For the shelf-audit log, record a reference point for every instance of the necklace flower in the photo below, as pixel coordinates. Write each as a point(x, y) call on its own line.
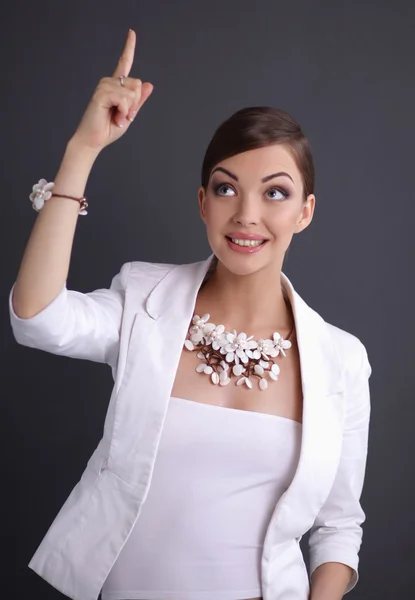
point(227, 353)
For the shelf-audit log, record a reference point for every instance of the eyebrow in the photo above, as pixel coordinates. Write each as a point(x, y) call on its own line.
point(263, 180)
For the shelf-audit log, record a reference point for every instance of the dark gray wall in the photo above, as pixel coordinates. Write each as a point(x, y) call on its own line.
point(345, 70)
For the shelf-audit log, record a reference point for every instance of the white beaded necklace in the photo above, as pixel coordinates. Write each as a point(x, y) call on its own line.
point(225, 353)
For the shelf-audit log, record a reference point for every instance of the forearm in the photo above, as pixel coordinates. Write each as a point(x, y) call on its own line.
point(329, 581)
point(45, 263)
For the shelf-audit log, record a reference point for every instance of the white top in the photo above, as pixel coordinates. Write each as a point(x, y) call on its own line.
point(217, 477)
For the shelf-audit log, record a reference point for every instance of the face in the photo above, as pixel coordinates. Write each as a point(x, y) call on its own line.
point(252, 207)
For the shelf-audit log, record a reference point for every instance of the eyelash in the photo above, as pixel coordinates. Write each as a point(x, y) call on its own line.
point(281, 190)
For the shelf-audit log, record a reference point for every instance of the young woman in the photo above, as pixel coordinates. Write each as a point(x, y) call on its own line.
point(239, 418)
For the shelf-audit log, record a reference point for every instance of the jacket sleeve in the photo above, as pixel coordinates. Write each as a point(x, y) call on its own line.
point(336, 534)
point(75, 324)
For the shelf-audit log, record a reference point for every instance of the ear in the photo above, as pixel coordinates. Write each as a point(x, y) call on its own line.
point(306, 214)
point(201, 196)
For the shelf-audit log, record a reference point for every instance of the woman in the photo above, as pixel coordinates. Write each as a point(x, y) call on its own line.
point(246, 412)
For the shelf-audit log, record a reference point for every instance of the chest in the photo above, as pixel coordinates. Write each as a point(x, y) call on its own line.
point(283, 397)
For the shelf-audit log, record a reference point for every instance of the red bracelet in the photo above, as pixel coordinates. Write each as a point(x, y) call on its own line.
point(82, 201)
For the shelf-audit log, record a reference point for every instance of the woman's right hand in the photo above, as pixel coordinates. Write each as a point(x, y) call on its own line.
point(113, 107)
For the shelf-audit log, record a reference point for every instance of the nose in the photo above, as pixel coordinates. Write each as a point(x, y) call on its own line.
point(247, 211)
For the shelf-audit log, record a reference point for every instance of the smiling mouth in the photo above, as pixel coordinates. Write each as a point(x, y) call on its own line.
point(249, 243)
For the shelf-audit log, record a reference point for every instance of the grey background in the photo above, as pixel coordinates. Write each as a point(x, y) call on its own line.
point(345, 70)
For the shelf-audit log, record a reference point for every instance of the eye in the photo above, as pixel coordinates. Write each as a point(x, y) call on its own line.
point(223, 186)
point(279, 194)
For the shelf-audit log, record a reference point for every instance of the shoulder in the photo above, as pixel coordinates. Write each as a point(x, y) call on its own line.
point(149, 270)
point(348, 349)
point(136, 273)
point(351, 353)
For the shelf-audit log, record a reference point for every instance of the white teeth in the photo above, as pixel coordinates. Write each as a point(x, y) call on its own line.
point(247, 242)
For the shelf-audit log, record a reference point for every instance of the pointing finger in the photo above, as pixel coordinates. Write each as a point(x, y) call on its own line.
point(127, 57)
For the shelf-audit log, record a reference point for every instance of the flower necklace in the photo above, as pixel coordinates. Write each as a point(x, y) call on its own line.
point(226, 353)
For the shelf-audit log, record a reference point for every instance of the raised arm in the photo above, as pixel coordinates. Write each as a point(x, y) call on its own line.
point(45, 264)
point(43, 313)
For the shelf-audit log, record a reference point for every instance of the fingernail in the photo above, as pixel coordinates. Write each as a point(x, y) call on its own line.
point(121, 123)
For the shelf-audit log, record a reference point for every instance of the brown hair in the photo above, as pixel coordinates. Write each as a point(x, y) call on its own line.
point(255, 127)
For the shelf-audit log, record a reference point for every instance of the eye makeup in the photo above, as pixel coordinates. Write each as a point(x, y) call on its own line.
point(218, 185)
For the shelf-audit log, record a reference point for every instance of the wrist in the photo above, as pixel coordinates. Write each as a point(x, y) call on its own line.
point(77, 150)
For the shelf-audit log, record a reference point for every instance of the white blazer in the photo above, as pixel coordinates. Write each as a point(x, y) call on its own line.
point(138, 327)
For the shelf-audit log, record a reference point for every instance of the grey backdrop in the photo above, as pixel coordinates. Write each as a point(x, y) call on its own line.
point(345, 70)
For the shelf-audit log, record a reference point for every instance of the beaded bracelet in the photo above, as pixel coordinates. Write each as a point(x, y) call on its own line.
point(41, 193)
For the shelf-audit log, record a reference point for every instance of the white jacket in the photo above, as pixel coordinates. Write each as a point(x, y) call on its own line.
point(138, 327)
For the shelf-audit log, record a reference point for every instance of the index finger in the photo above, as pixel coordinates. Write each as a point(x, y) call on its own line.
point(127, 57)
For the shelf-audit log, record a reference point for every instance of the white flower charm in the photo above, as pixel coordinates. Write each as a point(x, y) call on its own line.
point(196, 331)
point(41, 192)
point(280, 344)
point(226, 353)
point(213, 334)
point(265, 347)
point(239, 346)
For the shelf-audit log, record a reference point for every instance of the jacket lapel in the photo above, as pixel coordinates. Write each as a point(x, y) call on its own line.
point(154, 349)
point(323, 413)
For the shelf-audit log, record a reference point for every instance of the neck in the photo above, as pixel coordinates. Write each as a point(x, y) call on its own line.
point(247, 303)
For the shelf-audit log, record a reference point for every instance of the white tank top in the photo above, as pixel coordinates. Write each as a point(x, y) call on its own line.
point(217, 477)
